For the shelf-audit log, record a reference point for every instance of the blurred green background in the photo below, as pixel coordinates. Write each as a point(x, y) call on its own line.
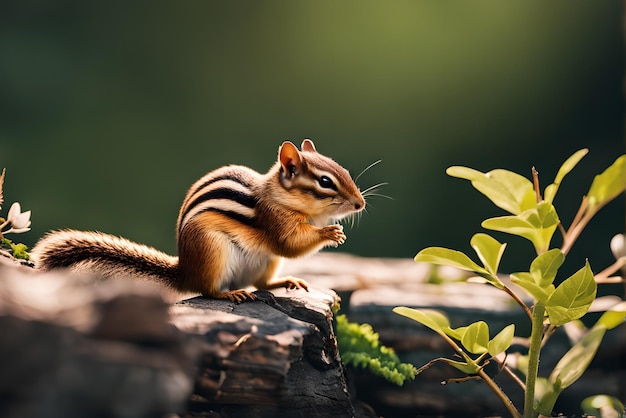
point(109, 111)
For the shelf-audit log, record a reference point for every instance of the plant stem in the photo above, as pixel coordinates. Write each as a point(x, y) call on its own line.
point(500, 394)
point(519, 302)
point(507, 370)
point(604, 274)
point(574, 232)
point(514, 377)
point(536, 335)
point(488, 380)
point(535, 174)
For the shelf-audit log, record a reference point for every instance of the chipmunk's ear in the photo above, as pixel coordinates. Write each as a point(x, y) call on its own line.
point(307, 145)
point(290, 159)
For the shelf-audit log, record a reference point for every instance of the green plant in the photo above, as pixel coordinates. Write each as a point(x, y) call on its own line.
point(16, 222)
point(603, 406)
point(359, 345)
point(533, 217)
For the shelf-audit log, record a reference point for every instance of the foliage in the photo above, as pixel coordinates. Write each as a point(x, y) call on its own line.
point(534, 218)
point(359, 345)
point(603, 406)
point(17, 250)
point(16, 222)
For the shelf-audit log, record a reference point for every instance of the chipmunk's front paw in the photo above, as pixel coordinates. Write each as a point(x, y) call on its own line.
point(335, 234)
point(292, 283)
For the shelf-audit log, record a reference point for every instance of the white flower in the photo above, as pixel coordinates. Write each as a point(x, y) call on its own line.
point(617, 246)
point(20, 221)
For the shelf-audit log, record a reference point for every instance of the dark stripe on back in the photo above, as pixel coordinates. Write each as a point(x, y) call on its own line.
point(230, 177)
point(232, 215)
point(223, 193)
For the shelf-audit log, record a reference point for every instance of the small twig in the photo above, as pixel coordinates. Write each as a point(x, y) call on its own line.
point(507, 370)
point(576, 228)
point(519, 301)
point(460, 379)
point(574, 233)
point(485, 377)
point(562, 229)
point(429, 364)
point(535, 174)
point(611, 280)
point(500, 394)
point(604, 274)
point(547, 333)
point(581, 211)
point(515, 377)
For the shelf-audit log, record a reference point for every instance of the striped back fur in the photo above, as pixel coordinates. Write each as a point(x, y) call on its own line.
point(227, 190)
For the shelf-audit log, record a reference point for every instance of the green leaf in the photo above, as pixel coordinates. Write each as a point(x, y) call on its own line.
point(572, 298)
point(545, 266)
point(506, 189)
point(567, 166)
point(527, 282)
point(543, 269)
point(434, 320)
point(570, 367)
point(514, 225)
point(502, 341)
point(613, 317)
point(537, 225)
point(607, 185)
point(456, 333)
point(446, 257)
point(465, 173)
point(476, 337)
point(466, 367)
point(489, 251)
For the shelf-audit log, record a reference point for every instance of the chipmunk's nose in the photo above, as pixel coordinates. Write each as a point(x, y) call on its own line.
point(359, 205)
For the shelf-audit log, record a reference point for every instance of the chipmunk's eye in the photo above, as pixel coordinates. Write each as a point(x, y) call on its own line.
point(327, 183)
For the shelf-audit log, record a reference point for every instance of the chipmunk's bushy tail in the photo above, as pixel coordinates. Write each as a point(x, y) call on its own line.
point(104, 255)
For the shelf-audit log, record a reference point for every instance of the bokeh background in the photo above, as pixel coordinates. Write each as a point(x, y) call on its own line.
point(109, 111)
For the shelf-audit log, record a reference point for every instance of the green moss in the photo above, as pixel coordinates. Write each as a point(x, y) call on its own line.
point(359, 346)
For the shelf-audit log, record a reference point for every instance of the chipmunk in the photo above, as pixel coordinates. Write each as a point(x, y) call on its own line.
point(234, 228)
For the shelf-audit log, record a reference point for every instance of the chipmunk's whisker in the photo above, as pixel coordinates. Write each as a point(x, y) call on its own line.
point(374, 187)
point(378, 195)
point(366, 168)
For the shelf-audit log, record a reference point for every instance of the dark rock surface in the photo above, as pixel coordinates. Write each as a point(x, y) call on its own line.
point(72, 349)
point(72, 346)
point(273, 357)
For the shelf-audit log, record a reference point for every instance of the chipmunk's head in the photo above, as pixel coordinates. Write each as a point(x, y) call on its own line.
point(316, 185)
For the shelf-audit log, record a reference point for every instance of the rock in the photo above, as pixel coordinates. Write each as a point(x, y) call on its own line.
point(276, 356)
point(74, 349)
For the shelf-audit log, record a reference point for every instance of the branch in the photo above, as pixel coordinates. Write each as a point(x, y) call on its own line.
point(536, 184)
point(533, 359)
point(519, 301)
point(607, 272)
